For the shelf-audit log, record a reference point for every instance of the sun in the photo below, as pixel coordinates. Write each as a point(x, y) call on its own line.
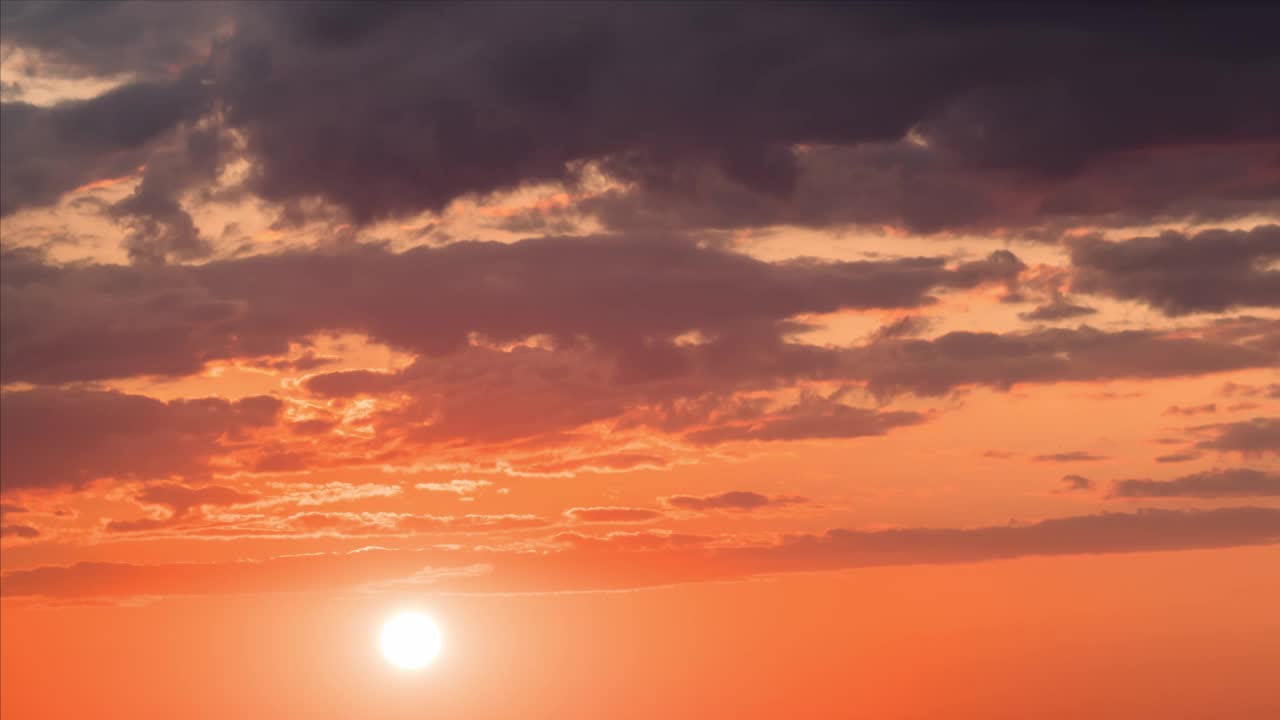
point(410, 640)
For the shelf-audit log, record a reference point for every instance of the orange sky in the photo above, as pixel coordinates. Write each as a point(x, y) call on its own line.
point(675, 386)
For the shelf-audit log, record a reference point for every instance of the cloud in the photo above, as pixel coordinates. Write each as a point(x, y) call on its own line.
point(19, 531)
point(1075, 483)
point(180, 500)
point(657, 93)
point(49, 151)
point(1177, 457)
point(68, 437)
point(813, 418)
point(1232, 389)
point(1211, 271)
point(457, 487)
point(1068, 457)
point(625, 541)
point(621, 293)
point(585, 565)
point(1234, 482)
point(1207, 408)
point(1058, 309)
point(103, 39)
point(246, 524)
point(705, 393)
point(612, 514)
point(970, 122)
point(732, 500)
point(1258, 436)
point(1003, 360)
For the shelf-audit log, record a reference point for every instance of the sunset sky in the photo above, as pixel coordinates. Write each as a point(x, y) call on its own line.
point(678, 361)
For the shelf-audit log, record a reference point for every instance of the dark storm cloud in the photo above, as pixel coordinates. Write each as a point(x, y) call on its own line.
point(1233, 482)
point(48, 151)
point(387, 109)
point(159, 227)
point(658, 88)
point(1211, 271)
point(929, 190)
point(109, 37)
point(68, 437)
point(655, 559)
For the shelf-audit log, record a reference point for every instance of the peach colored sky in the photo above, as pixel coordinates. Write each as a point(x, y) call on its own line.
point(670, 383)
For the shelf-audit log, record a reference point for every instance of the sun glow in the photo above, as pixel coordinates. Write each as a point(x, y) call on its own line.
point(410, 640)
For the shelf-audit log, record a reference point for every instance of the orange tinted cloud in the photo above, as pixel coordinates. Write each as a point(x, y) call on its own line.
point(589, 564)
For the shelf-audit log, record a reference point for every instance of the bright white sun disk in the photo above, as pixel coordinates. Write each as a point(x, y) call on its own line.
point(410, 640)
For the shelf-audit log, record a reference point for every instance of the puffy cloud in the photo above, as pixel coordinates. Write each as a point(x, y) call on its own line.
point(957, 127)
point(180, 500)
point(68, 437)
point(49, 151)
point(659, 92)
point(622, 293)
point(1211, 271)
point(129, 38)
point(1233, 482)
point(732, 500)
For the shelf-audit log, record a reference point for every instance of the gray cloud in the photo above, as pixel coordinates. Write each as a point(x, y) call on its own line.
point(741, 500)
point(100, 321)
point(1071, 456)
point(68, 437)
point(1233, 482)
point(1211, 271)
point(1251, 437)
point(50, 151)
point(1057, 115)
